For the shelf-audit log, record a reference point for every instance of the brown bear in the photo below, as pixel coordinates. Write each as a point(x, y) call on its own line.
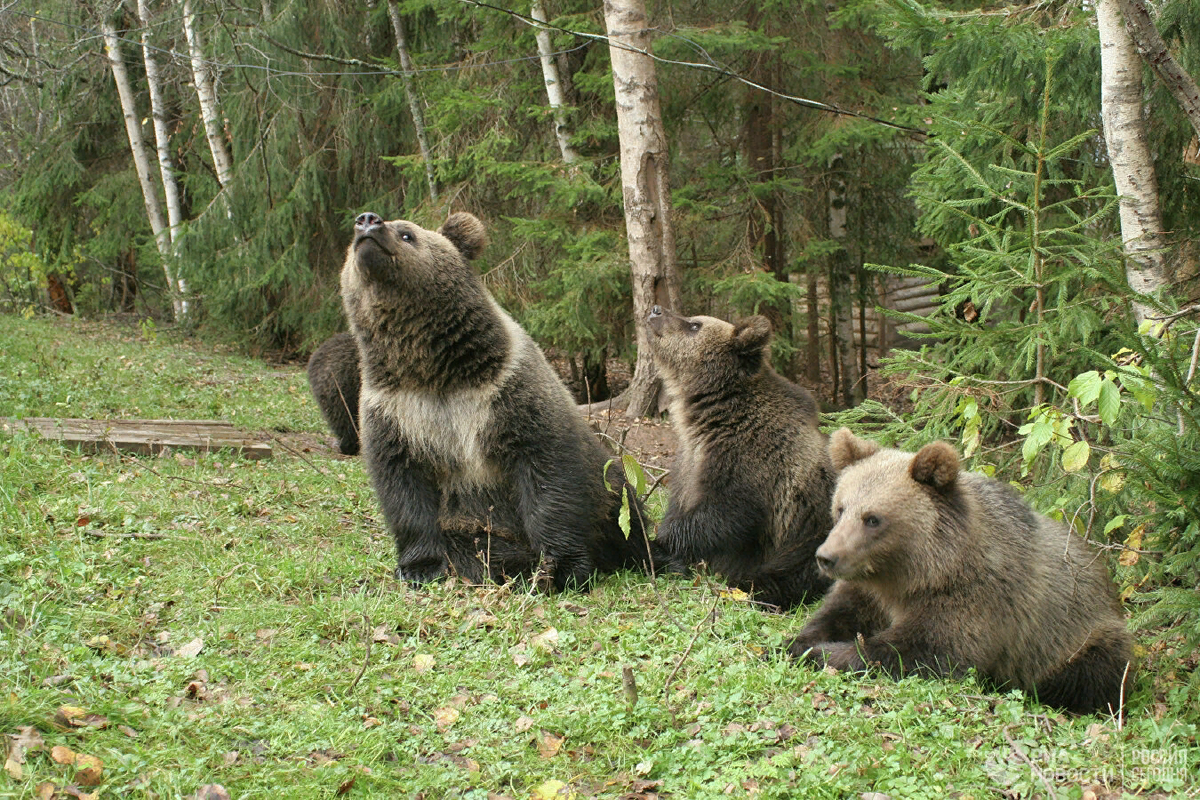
point(476, 451)
point(751, 483)
point(940, 571)
point(333, 377)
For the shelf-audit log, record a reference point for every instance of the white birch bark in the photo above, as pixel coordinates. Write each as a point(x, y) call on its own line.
point(1129, 156)
point(1154, 50)
point(646, 189)
point(554, 91)
point(162, 143)
point(840, 284)
point(206, 93)
point(410, 92)
point(137, 145)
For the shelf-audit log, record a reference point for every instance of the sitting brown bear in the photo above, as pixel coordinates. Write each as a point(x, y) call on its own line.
point(939, 571)
point(751, 484)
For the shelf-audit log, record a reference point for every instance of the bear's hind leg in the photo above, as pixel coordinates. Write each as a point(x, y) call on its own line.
point(1092, 681)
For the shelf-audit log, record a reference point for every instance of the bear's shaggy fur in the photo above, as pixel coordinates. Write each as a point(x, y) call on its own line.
point(476, 451)
point(939, 571)
point(751, 484)
point(333, 377)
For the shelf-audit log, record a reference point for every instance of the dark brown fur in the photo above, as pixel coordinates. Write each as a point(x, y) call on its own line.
point(751, 484)
point(477, 454)
point(942, 571)
point(333, 377)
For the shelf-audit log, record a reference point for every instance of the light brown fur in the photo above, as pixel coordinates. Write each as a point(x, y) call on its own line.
point(943, 571)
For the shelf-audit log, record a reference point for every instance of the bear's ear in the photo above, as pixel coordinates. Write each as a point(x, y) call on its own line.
point(935, 465)
point(466, 233)
point(751, 334)
point(845, 449)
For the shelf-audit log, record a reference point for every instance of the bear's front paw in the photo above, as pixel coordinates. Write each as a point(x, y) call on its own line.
point(839, 655)
point(419, 572)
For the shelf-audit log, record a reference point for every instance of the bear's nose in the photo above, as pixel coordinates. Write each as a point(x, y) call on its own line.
point(367, 220)
point(825, 563)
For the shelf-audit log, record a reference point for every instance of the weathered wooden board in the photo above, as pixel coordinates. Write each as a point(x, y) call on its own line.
point(148, 436)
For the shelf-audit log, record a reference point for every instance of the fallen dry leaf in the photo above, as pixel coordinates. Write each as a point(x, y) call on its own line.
point(12, 764)
point(549, 743)
point(128, 731)
point(523, 724)
point(551, 790)
point(61, 754)
point(345, 786)
point(44, 791)
point(545, 640)
point(89, 776)
point(212, 791)
point(29, 738)
point(423, 662)
point(191, 649)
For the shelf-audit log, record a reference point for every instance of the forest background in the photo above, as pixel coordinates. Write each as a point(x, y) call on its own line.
point(812, 148)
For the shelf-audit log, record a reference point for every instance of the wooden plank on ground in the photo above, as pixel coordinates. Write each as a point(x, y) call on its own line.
point(147, 436)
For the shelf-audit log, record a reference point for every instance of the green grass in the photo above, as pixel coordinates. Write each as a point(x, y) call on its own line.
point(318, 673)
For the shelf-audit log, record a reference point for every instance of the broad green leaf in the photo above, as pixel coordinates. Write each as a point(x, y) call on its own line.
point(1085, 387)
point(1075, 457)
point(1109, 402)
point(1114, 523)
point(623, 517)
point(635, 476)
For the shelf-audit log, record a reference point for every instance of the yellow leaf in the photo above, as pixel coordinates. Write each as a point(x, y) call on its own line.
point(734, 594)
point(552, 790)
point(1134, 542)
point(423, 662)
point(445, 717)
point(13, 767)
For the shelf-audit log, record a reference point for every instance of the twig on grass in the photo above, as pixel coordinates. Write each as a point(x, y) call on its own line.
point(102, 535)
point(1032, 767)
point(712, 614)
point(366, 658)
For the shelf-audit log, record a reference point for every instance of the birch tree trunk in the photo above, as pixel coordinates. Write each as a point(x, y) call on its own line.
point(554, 91)
point(1129, 155)
point(207, 95)
point(163, 146)
point(841, 283)
point(137, 145)
point(1154, 50)
point(645, 187)
point(414, 104)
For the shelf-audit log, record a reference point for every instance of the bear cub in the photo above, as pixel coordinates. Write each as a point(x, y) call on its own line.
point(333, 377)
point(752, 480)
point(477, 454)
point(939, 571)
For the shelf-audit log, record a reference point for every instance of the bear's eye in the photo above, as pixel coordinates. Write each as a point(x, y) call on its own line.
point(872, 521)
point(407, 237)
point(837, 513)
point(693, 326)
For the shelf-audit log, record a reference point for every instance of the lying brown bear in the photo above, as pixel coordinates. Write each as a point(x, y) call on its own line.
point(939, 571)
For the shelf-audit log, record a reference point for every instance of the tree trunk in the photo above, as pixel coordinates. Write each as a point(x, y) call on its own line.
point(162, 142)
point(841, 290)
point(554, 88)
point(646, 189)
point(137, 145)
point(1153, 49)
point(1129, 155)
point(207, 94)
point(410, 93)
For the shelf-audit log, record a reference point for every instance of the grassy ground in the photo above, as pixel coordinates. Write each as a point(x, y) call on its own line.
point(192, 620)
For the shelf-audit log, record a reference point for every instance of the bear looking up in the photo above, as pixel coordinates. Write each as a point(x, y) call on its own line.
point(334, 380)
point(751, 484)
point(941, 571)
point(476, 451)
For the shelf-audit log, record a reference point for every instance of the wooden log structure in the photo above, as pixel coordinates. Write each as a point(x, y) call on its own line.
point(146, 436)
